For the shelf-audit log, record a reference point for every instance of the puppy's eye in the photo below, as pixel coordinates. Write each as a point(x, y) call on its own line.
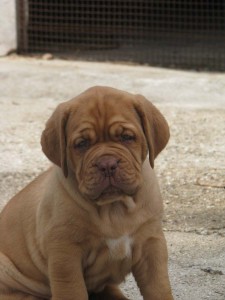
point(82, 144)
point(127, 138)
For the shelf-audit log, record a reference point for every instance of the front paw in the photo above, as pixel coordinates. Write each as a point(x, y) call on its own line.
point(101, 297)
point(110, 292)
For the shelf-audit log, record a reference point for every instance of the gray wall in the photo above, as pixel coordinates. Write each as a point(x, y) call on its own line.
point(7, 26)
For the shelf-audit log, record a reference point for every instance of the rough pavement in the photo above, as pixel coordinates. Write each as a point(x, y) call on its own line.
point(191, 170)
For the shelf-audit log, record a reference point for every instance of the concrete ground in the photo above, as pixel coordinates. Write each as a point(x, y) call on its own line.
point(191, 170)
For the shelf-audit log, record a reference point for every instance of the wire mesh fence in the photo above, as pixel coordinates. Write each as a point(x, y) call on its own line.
point(170, 33)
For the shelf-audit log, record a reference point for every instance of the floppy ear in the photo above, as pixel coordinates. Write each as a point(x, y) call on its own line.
point(154, 125)
point(53, 139)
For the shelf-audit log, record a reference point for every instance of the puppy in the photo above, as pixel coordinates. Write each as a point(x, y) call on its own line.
point(95, 216)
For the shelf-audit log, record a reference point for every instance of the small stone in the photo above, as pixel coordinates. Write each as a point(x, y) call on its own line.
point(47, 56)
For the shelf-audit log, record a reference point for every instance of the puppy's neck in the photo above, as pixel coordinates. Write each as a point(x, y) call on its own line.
point(114, 219)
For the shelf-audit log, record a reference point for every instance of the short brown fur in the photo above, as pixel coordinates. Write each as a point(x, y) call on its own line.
point(78, 229)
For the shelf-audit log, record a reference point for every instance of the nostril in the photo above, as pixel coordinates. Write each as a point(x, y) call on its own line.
point(103, 169)
point(113, 166)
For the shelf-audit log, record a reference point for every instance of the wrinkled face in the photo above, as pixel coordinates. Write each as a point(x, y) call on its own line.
point(106, 147)
point(103, 137)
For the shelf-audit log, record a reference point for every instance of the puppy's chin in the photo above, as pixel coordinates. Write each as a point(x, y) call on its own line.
point(126, 200)
point(109, 195)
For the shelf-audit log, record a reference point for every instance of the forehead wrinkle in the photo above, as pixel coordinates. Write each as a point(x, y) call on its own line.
point(83, 124)
point(99, 110)
point(122, 118)
point(91, 117)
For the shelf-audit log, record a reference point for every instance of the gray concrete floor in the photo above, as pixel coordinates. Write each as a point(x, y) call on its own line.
point(191, 170)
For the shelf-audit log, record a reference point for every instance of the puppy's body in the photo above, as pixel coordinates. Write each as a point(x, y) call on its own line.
point(92, 218)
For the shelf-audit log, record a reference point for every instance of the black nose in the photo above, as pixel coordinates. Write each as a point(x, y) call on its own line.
point(107, 165)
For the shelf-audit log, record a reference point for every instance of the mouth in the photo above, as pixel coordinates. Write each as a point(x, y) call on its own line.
point(111, 191)
point(109, 195)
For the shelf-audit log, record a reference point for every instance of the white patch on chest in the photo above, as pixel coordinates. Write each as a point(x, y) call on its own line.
point(120, 248)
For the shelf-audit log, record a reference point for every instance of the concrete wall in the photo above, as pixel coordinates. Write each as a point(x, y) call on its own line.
point(7, 26)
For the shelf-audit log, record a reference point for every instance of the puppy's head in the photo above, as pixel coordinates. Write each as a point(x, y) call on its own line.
point(103, 136)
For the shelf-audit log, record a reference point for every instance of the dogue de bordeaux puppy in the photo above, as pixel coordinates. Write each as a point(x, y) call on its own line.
point(77, 230)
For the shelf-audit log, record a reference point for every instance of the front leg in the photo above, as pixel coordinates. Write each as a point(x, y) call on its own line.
point(151, 271)
point(66, 276)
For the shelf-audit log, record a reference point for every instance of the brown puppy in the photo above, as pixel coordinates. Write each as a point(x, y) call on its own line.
point(95, 215)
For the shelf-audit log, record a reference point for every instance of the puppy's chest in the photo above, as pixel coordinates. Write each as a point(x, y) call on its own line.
point(110, 252)
point(120, 248)
point(109, 262)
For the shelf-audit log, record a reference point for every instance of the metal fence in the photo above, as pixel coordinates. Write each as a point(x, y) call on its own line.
point(170, 33)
